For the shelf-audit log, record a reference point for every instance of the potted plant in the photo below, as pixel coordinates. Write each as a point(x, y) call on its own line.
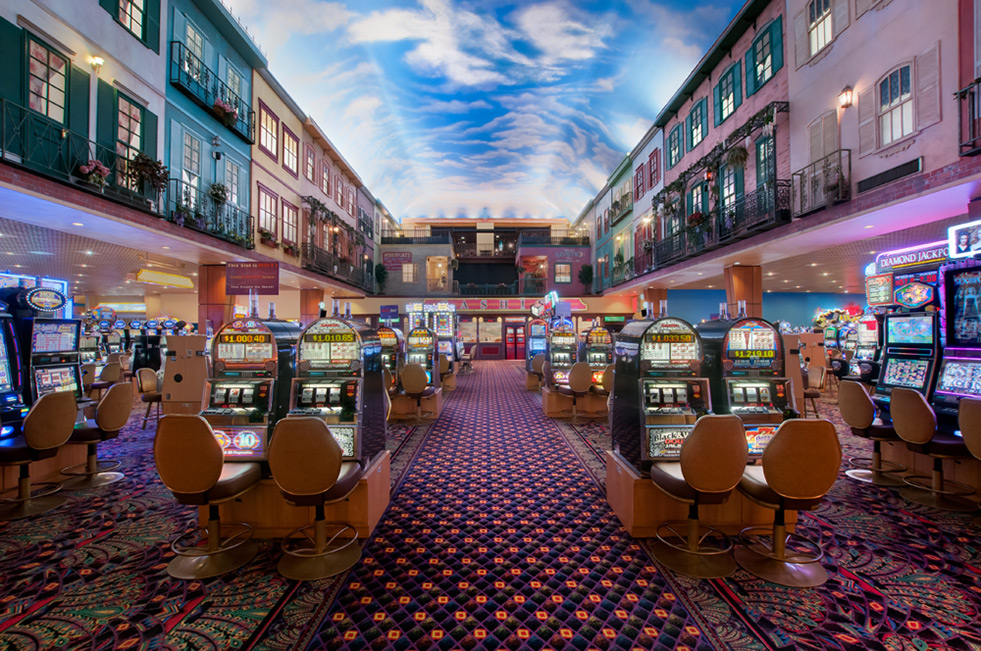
point(454, 264)
point(147, 174)
point(268, 238)
point(834, 182)
point(648, 246)
point(227, 113)
point(737, 157)
point(95, 173)
point(381, 277)
point(586, 277)
point(218, 193)
point(290, 248)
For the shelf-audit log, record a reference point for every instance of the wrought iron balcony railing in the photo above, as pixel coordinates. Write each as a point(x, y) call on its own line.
point(823, 183)
point(326, 263)
point(418, 236)
point(969, 114)
point(552, 238)
point(486, 289)
point(193, 208)
point(765, 207)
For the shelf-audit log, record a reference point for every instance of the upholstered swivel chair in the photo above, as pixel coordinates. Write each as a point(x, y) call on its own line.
point(713, 458)
point(147, 384)
point(445, 367)
point(814, 379)
point(416, 386)
point(858, 410)
point(88, 377)
point(191, 464)
point(969, 421)
point(110, 375)
point(605, 387)
point(800, 465)
point(537, 366)
point(307, 465)
point(546, 380)
point(580, 380)
point(46, 428)
point(916, 423)
point(111, 415)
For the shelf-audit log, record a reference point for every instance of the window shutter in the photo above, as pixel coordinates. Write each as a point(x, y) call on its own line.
point(12, 51)
point(153, 25)
point(717, 102)
point(105, 116)
point(927, 71)
point(705, 120)
point(78, 102)
point(222, 68)
point(840, 17)
point(751, 70)
point(176, 149)
point(861, 6)
point(150, 134)
point(830, 132)
point(688, 143)
point(739, 175)
point(801, 45)
point(737, 84)
point(110, 5)
point(180, 27)
point(866, 122)
point(815, 140)
point(209, 54)
point(776, 43)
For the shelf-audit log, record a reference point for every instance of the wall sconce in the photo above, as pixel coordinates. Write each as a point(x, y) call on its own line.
point(845, 97)
point(96, 63)
point(708, 175)
point(216, 141)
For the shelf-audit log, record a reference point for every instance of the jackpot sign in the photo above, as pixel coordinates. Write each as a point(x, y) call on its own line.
point(926, 255)
point(505, 304)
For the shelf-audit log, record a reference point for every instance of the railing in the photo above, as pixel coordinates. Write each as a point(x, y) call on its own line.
point(763, 208)
point(969, 114)
point(552, 238)
point(621, 207)
point(644, 261)
point(438, 285)
point(36, 142)
point(200, 83)
point(823, 183)
point(192, 208)
point(419, 236)
point(532, 286)
point(623, 272)
point(471, 250)
point(669, 249)
point(476, 289)
point(324, 262)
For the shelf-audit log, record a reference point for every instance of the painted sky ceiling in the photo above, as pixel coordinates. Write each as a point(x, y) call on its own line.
point(484, 107)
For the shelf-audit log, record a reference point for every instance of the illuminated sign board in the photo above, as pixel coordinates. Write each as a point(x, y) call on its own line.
point(878, 290)
point(45, 300)
point(925, 255)
point(964, 240)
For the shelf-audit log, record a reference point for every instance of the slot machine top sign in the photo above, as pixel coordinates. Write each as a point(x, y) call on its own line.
point(244, 344)
point(669, 343)
point(599, 336)
point(43, 299)
point(751, 344)
point(329, 343)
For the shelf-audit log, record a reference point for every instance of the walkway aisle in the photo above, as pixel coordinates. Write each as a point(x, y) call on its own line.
point(499, 539)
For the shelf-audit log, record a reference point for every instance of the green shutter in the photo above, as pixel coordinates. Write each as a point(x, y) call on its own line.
point(739, 175)
point(717, 101)
point(737, 85)
point(688, 142)
point(751, 70)
point(12, 51)
point(705, 120)
point(105, 116)
point(78, 102)
point(776, 43)
point(110, 5)
point(149, 134)
point(153, 25)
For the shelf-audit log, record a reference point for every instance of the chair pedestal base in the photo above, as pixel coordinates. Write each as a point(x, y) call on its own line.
point(706, 556)
point(771, 561)
point(189, 568)
point(937, 492)
point(31, 507)
point(717, 566)
point(874, 477)
point(311, 568)
point(875, 470)
point(92, 474)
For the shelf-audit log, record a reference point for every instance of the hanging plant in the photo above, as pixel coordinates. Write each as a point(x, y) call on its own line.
point(737, 156)
point(219, 193)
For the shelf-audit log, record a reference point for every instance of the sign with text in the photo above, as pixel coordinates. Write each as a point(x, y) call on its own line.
point(878, 290)
point(259, 277)
point(393, 260)
point(502, 304)
point(926, 255)
point(389, 313)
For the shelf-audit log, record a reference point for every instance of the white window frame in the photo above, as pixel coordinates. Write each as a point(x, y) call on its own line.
point(189, 175)
point(820, 30)
point(902, 108)
point(233, 176)
point(409, 272)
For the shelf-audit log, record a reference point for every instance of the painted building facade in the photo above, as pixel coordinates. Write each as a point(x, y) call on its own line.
point(648, 165)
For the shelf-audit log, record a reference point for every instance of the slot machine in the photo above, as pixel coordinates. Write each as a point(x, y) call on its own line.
point(909, 359)
point(416, 315)
point(745, 363)
point(392, 351)
point(443, 321)
point(536, 340)
point(339, 379)
point(88, 349)
point(831, 337)
point(960, 370)
point(12, 407)
point(146, 348)
point(115, 341)
point(249, 388)
point(659, 391)
point(134, 331)
point(420, 348)
point(596, 349)
point(865, 363)
point(847, 339)
point(563, 352)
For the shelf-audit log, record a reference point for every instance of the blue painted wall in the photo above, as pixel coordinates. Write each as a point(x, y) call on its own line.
point(693, 305)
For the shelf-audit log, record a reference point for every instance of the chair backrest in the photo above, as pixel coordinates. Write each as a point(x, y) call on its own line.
point(537, 363)
point(608, 378)
point(112, 372)
point(188, 456)
point(547, 373)
point(714, 455)
point(114, 358)
point(815, 376)
point(969, 421)
point(114, 409)
point(444, 364)
point(803, 458)
point(414, 378)
point(146, 380)
point(304, 457)
point(856, 406)
point(51, 420)
point(580, 377)
point(912, 416)
point(88, 375)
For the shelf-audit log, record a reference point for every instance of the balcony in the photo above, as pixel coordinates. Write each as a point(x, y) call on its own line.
point(623, 271)
point(189, 207)
point(552, 238)
point(318, 260)
point(620, 207)
point(418, 236)
point(477, 289)
point(823, 183)
point(437, 285)
point(969, 117)
point(201, 84)
point(759, 210)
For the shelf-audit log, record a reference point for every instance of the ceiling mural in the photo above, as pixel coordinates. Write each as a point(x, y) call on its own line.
point(483, 108)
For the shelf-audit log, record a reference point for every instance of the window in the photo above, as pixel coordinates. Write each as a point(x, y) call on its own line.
point(895, 107)
point(730, 187)
point(563, 272)
point(338, 191)
point(639, 179)
point(48, 82)
point(191, 160)
point(233, 176)
point(606, 220)
point(350, 200)
point(764, 160)
point(408, 273)
point(194, 41)
point(268, 131)
point(728, 93)
point(291, 221)
point(325, 178)
point(765, 57)
point(697, 123)
point(698, 198)
point(819, 32)
point(599, 227)
point(674, 147)
point(129, 136)
point(233, 79)
point(268, 217)
point(291, 152)
point(132, 14)
point(310, 163)
point(654, 167)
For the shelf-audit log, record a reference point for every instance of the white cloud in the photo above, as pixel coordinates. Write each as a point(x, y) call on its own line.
point(554, 30)
point(453, 106)
point(291, 18)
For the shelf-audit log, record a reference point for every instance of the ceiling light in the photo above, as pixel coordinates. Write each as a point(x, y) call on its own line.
point(825, 273)
point(18, 266)
point(814, 264)
point(89, 253)
point(163, 278)
point(77, 224)
point(871, 252)
point(771, 273)
point(699, 274)
point(10, 252)
point(164, 247)
point(869, 226)
point(797, 286)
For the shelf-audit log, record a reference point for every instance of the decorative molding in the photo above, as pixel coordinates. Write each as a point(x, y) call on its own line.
point(130, 93)
point(28, 25)
point(820, 56)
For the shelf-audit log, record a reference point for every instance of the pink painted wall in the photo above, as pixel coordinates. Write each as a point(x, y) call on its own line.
point(577, 256)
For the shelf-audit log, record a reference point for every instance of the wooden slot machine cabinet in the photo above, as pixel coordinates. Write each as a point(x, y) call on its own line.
point(185, 374)
point(745, 363)
point(563, 352)
point(596, 349)
point(12, 407)
point(249, 389)
point(910, 357)
point(339, 379)
point(536, 340)
point(392, 351)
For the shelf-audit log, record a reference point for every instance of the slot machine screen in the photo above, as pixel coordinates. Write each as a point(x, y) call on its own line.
point(445, 347)
point(960, 377)
point(54, 336)
point(48, 379)
point(599, 337)
point(538, 329)
point(444, 325)
point(419, 339)
point(963, 290)
point(245, 347)
point(564, 339)
point(909, 330)
point(669, 343)
point(910, 373)
point(328, 343)
point(388, 338)
point(6, 380)
point(868, 334)
point(752, 344)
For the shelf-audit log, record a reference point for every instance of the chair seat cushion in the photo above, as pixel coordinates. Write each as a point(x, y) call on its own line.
point(151, 396)
point(667, 476)
point(428, 391)
point(753, 484)
point(89, 432)
point(566, 391)
point(812, 393)
point(101, 384)
point(16, 450)
point(347, 481)
point(235, 478)
point(941, 445)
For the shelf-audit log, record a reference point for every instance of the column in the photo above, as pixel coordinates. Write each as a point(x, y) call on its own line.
point(213, 304)
point(310, 300)
point(744, 284)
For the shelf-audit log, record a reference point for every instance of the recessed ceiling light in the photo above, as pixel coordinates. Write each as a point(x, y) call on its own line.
point(735, 263)
point(771, 273)
point(164, 247)
point(797, 286)
point(90, 253)
point(825, 273)
point(869, 226)
point(709, 286)
point(814, 264)
point(38, 253)
point(10, 252)
point(871, 252)
point(786, 280)
point(18, 266)
point(77, 224)
point(699, 274)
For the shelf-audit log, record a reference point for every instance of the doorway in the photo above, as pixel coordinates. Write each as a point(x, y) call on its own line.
point(514, 341)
